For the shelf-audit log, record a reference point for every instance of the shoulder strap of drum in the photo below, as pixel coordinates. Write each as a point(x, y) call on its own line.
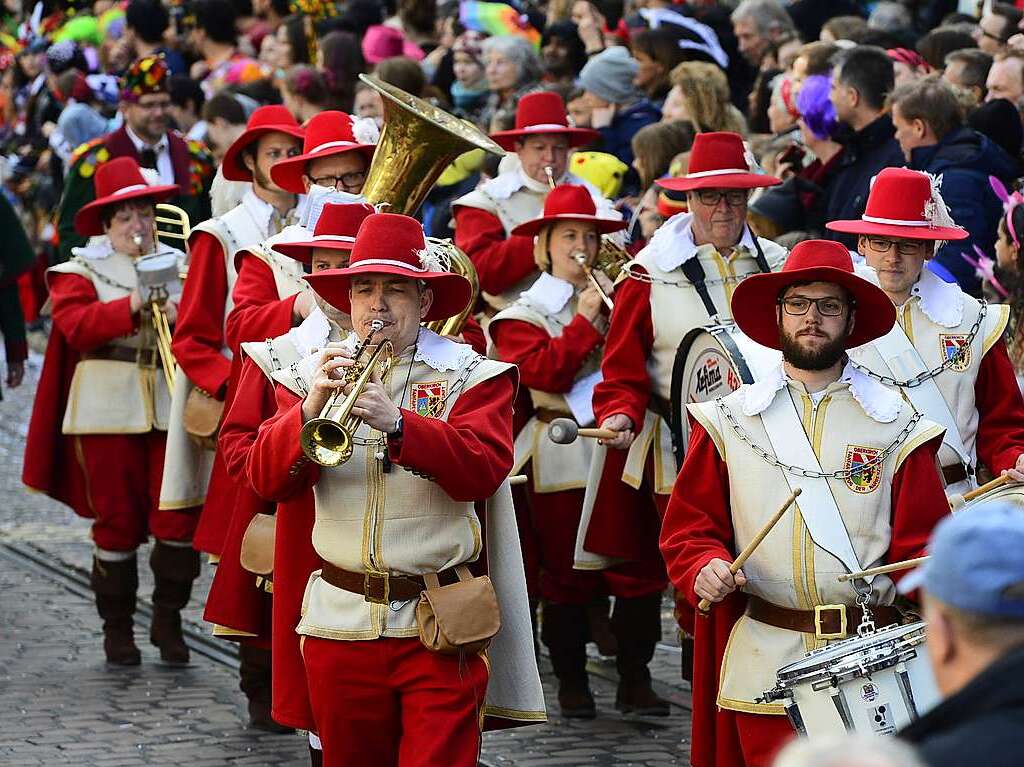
point(694, 272)
point(762, 262)
point(677, 404)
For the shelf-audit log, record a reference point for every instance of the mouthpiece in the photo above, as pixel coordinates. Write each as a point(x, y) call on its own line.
point(580, 258)
point(376, 326)
point(137, 239)
point(551, 175)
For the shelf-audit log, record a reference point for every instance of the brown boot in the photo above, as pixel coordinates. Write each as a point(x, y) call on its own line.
point(254, 680)
point(601, 628)
point(115, 584)
point(174, 570)
point(637, 625)
point(564, 632)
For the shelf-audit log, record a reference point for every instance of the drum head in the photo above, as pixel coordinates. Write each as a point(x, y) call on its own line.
point(1012, 493)
point(853, 652)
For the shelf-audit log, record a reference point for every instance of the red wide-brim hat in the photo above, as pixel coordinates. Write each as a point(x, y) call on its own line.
point(755, 302)
point(390, 243)
point(117, 181)
point(902, 204)
point(269, 119)
point(569, 202)
point(542, 114)
point(335, 230)
point(719, 160)
point(327, 134)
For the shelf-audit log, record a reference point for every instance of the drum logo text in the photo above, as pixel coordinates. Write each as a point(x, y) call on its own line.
point(710, 377)
point(955, 347)
point(862, 478)
point(428, 398)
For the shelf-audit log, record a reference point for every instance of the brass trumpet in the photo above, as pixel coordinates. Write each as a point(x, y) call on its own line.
point(328, 439)
point(171, 223)
point(609, 260)
point(154, 273)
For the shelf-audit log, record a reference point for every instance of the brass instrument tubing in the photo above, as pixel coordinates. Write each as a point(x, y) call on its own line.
point(581, 259)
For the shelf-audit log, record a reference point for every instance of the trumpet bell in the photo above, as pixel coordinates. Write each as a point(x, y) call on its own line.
point(326, 442)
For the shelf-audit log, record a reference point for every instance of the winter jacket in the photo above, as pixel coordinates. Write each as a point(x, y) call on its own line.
point(983, 724)
point(616, 138)
point(964, 160)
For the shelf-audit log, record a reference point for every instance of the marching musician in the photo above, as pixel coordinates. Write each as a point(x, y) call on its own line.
point(682, 280)
point(864, 461)
point(946, 351)
point(147, 138)
point(96, 438)
point(237, 602)
point(485, 218)
point(434, 436)
point(554, 333)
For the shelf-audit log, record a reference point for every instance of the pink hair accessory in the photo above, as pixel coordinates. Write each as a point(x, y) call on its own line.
point(984, 267)
point(1010, 201)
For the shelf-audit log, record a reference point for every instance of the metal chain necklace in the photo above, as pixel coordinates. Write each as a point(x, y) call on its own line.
point(648, 279)
point(799, 471)
point(920, 378)
point(101, 277)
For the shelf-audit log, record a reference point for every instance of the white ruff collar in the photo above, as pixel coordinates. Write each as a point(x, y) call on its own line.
point(510, 181)
point(312, 334)
point(879, 402)
point(441, 353)
point(942, 302)
point(550, 294)
point(96, 248)
point(672, 245)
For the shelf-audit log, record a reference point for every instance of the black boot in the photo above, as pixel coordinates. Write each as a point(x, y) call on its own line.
point(174, 569)
point(115, 585)
point(637, 625)
point(564, 631)
point(254, 680)
point(316, 757)
point(601, 628)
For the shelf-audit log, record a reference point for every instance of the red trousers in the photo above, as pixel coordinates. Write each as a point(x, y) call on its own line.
point(123, 474)
point(393, 703)
point(762, 736)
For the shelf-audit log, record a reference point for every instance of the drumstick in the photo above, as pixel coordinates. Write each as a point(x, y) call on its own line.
point(564, 431)
point(518, 479)
point(734, 568)
point(957, 501)
point(892, 567)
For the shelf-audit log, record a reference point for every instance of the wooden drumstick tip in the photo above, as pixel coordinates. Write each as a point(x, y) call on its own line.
point(518, 479)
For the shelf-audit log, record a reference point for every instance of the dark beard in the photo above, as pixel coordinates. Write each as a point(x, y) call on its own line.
point(822, 359)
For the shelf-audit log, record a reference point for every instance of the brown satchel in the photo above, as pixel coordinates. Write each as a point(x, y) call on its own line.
point(202, 418)
point(459, 617)
point(257, 555)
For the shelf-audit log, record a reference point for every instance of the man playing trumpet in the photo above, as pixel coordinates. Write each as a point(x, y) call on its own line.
point(431, 437)
point(102, 379)
point(864, 462)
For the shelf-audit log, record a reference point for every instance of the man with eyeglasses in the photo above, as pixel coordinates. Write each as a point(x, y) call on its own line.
point(997, 25)
point(683, 279)
point(146, 137)
point(864, 461)
point(946, 350)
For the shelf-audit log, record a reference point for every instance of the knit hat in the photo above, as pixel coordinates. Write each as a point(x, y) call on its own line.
point(609, 76)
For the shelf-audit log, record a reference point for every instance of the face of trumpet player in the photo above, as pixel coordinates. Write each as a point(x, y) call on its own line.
point(570, 242)
point(130, 227)
point(346, 172)
point(543, 150)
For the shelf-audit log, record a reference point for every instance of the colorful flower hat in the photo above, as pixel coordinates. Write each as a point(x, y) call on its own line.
point(147, 75)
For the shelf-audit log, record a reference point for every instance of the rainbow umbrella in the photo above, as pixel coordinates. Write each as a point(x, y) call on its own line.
point(497, 19)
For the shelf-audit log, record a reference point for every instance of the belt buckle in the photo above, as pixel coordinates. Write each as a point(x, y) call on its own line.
point(818, 611)
point(368, 590)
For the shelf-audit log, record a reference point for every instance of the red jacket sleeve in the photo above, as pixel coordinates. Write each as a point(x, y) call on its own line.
point(258, 312)
point(626, 387)
point(473, 334)
point(86, 322)
point(698, 521)
point(278, 469)
point(199, 332)
point(546, 363)
point(500, 261)
point(252, 404)
point(1000, 411)
point(470, 454)
point(918, 503)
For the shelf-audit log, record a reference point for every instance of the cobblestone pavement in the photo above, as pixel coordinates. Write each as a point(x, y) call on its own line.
point(61, 705)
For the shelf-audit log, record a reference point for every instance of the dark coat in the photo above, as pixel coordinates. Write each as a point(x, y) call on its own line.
point(983, 724)
point(965, 159)
point(616, 138)
point(864, 154)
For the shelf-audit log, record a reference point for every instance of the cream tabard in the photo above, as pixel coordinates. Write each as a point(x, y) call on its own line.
point(856, 419)
point(938, 319)
point(110, 396)
point(398, 522)
point(550, 304)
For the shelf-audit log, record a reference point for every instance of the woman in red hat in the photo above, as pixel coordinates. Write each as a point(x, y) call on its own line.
point(947, 352)
point(96, 439)
point(554, 333)
point(865, 462)
point(485, 218)
point(434, 438)
point(238, 603)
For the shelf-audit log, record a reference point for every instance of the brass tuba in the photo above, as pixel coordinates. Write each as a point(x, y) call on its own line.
point(418, 141)
point(327, 440)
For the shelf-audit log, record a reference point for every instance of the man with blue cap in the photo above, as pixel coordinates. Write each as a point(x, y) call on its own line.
point(973, 598)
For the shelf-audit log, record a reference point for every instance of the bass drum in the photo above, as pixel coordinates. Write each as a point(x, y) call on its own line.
point(711, 362)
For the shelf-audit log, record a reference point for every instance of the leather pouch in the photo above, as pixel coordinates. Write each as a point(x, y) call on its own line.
point(257, 555)
point(202, 418)
point(459, 617)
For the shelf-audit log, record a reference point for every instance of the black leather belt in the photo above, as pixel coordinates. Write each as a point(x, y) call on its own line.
point(146, 357)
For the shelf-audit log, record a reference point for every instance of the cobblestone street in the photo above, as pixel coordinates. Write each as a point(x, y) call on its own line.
point(61, 705)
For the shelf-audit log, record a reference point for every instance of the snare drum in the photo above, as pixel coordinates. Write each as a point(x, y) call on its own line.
point(1011, 493)
point(873, 684)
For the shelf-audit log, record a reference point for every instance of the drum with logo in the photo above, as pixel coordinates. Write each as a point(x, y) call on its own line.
point(1011, 493)
point(873, 684)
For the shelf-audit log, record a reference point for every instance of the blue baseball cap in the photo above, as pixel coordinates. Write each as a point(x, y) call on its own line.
point(977, 561)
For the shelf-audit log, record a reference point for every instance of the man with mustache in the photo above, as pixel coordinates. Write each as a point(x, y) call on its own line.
point(865, 463)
